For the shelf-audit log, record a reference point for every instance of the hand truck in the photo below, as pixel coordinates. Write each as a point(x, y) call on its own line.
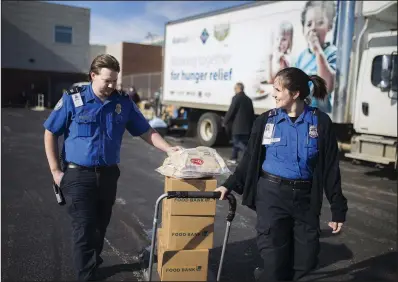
point(184, 194)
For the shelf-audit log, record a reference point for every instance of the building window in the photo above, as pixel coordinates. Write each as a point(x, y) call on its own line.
point(63, 34)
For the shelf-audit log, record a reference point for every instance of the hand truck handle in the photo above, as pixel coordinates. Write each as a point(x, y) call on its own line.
point(232, 207)
point(193, 194)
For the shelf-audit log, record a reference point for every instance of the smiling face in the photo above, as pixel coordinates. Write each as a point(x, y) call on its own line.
point(104, 83)
point(316, 21)
point(284, 41)
point(284, 99)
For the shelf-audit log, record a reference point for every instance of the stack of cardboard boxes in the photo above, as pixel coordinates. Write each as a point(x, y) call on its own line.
point(187, 232)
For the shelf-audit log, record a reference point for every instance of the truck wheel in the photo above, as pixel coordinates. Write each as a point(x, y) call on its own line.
point(209, 129)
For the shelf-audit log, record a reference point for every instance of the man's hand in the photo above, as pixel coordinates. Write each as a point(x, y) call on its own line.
point(336, 226)
point(224, 191)
point(153, 138)
point(57, 176)
point(174, 149)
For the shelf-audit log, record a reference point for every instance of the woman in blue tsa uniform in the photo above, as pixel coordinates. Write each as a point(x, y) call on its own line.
point(292, 157)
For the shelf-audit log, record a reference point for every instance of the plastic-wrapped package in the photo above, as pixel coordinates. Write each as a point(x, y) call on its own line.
point(196, 162)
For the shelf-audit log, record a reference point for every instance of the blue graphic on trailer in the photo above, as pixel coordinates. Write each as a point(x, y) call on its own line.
point(204, 36)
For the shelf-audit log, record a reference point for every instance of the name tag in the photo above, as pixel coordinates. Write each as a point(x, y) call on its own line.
point(267, 141)
point(268, 132)
point(77, 100)
point(269, 129)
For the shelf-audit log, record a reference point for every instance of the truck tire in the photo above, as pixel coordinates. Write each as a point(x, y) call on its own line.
point(209, 129)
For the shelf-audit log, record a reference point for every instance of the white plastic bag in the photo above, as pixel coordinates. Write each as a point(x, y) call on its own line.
point(197, 162)
point(157, 123)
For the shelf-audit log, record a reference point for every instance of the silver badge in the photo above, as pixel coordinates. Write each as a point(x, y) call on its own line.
point(313, 132)
point(118, 109)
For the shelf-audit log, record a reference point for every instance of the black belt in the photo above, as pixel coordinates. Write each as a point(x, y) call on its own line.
point(91, 168)
point(285, 181)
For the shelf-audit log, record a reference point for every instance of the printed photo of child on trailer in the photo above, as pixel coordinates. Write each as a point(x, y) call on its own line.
point(318, 57)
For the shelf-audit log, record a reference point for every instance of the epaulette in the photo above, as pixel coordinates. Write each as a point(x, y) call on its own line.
point(74, 90)
point(273, 112)
point(122, 93)
point(315, 111)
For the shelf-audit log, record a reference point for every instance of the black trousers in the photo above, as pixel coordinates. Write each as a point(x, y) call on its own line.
point(89, 196)
point(287, 231)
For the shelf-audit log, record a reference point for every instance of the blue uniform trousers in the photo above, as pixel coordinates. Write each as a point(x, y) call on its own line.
point(89, 196)
point(287, 231)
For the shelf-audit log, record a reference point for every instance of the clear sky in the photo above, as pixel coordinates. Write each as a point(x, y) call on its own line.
point(130, 21)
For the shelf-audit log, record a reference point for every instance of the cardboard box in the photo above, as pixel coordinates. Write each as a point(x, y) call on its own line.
point(164, 211)
point(187, 232)
point(181, 265)
point(191, 206)
point(160, 250)
point(203, 184)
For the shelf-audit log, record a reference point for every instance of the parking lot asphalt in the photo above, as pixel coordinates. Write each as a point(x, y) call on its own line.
point(36, 242)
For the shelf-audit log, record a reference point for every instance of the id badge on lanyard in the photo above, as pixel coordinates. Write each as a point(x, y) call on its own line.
point(268, 134)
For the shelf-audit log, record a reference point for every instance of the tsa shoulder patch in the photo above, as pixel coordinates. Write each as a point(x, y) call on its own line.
point(273, 112)
point(74, 90)
point(59, 104)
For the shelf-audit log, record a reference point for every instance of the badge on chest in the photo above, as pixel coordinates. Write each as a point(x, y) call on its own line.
point(269, 134)
point(269, 130)
point(118, 109)
point(77, 100)
point(313, 131)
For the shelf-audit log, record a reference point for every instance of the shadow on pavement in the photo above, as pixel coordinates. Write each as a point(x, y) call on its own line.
point(241, 258)
point(109, 271)
point(379, 268)
point(388, 172)
point(327, 233)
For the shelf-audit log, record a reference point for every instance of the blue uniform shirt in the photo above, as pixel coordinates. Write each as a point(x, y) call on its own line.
point(291, 148)
point(93, 130)
point(306, 61)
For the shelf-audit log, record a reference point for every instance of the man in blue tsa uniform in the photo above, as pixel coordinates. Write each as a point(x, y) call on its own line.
point(92, 120)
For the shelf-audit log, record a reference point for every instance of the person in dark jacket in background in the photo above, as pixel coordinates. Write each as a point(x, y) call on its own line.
point(241, 115)
point(291, 158)
point(134, 95)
